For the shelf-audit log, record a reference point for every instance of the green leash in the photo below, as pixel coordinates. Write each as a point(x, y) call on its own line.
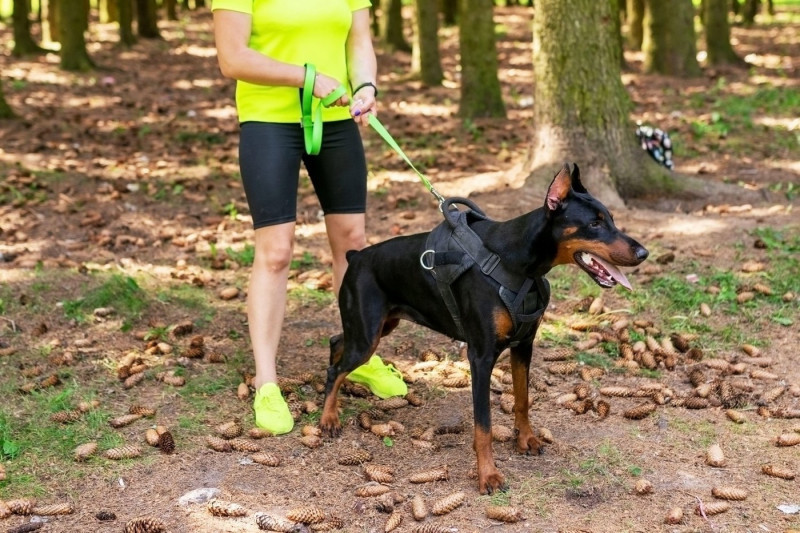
point(311, 122)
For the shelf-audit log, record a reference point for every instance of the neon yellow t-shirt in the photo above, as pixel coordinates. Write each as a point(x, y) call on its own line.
point(296, 32)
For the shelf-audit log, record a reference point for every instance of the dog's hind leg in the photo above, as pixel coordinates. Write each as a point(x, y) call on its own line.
point(520, 368)
point(489, 477)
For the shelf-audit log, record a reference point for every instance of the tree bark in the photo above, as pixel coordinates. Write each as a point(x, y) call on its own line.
point(392, 26)
point(480, 86)
point(172, 9)
point(635, 17)
point(5, 109)
point(109, 11)
point(73, 19)
point(425, 58)
point(51, 30)
point(23, 40)
point(126, 36)
point(749, 11)
point(581, 109)
point(147, 18)
point(669, 41)
point(718, 34)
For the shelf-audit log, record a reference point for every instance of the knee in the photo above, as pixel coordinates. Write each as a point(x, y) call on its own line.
point(274, 257)
point(352, 238)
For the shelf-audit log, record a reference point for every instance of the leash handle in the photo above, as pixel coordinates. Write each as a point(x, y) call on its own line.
point(383, 132)
point(311, 120)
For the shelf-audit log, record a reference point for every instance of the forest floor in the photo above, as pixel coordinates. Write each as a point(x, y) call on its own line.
point(123, 222)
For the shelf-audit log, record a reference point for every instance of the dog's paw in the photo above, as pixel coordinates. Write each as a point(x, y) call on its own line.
point(529, 444)
point(491, 482)
point(330, 426)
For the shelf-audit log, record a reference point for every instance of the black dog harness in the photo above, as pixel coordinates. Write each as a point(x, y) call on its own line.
point(453, 247)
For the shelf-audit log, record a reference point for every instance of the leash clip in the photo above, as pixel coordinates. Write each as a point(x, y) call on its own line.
point(422, 259)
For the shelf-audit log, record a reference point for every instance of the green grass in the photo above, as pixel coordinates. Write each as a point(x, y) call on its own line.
point(118, 291)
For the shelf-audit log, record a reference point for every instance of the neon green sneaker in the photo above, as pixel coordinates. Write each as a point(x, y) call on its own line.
point(272, 413)
point(383, 380)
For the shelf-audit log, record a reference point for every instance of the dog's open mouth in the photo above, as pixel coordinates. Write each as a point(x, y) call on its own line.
point(605, 274)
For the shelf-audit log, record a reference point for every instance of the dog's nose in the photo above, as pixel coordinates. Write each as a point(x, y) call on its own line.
point(641, 253)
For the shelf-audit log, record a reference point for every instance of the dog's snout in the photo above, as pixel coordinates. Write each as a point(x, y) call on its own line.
point(641, 253)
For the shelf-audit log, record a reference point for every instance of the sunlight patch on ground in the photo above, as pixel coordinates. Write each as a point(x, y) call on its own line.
point(194, 50)
point(422, 109)
point(693, 226)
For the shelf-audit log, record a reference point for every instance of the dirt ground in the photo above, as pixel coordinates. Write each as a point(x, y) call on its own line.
point(132, 169)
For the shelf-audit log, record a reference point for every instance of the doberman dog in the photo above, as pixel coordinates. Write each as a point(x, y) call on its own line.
point(397, 279)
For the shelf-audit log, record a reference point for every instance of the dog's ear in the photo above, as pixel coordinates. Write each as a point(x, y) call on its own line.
point(559, 189)
point(577, 186)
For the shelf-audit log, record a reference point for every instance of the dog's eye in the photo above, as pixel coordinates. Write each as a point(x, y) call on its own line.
point(595, 224)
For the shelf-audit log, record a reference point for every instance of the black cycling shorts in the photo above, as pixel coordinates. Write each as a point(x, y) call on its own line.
point(269, 160)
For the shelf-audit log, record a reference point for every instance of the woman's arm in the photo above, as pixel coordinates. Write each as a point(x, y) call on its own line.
point(240, 62)
point(362, 66)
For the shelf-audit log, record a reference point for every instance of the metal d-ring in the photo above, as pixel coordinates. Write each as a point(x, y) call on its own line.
point(422, 259)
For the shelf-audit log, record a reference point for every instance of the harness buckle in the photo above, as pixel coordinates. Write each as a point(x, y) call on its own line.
point(422, 259)
point(489, 264)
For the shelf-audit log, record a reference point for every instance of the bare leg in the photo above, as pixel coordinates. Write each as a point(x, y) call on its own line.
point(266, 296)
point(345, 232)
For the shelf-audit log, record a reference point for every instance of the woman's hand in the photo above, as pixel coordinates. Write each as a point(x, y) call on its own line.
point(364, 104)
point(325, 85)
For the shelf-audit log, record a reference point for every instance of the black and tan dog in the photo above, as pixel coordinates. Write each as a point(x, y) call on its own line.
point(482, 282)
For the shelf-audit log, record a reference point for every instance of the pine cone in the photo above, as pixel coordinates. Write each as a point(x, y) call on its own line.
point(306, 514)
point(379, 473)
point(258, 433)
point(414, 399)
point(127, 451)
point(5, 512)
point(427, 476)
point(175, 381)
point(54, 509)
point(267, 459)
point(729, 493)
point(640, 411)
point(151, 437)
point(502, 433)
point(433, 528)
point(311, 441)
point(221, 508)
point(736, 416)
point(21, 506)
point(66, 417)
point(504, 513)
point(355, 456)
point(418, 508)
point(371, 489)
point(395, 402)
point(218, 444)
point(775, 471)
point(620, 392)
point(194, 352)
point(105, 516)
point(229, 430)
point(330, 524)
point(382, 430)
point(675, 516)
point(166, 443)
point(456, 382)
point(274, 523)
point(145, 524)
point(602, 408)
point(184, 328)
point(788, 439)
point(393, 522)
point(364, 420)
point(84, 451)
point(244, 445)
point(711, 508)
point(137, 409)
point(714, 456)
point(448, 503)
point(133, 380)
point(695, 402)
point(124, 420)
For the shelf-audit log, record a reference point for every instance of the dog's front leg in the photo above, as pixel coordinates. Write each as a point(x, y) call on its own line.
point(329, 421)
point(520, 368)
point(489, 477)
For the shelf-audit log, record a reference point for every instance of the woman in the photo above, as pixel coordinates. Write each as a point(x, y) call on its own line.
point(265, 46)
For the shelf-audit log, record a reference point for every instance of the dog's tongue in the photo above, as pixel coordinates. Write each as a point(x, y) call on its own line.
point(615, 273)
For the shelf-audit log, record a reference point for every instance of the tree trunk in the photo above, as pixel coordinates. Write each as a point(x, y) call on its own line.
point(635, 17)
point(23, 40)
point(425, 53)
point(147, 19)
point(480, 86)
point(669, 39)
point(449, 10)
point(51, 31)
point(750, 11)
point(172, 9)
point(581, 109)
point(616, 20)
point(126, 36)
point(392, 26)
point(5, 109)
point(718, 34)
point(73, 44)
